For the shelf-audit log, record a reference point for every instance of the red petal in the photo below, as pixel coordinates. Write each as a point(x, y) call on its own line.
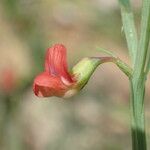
point(46, 85)
point(56, 62)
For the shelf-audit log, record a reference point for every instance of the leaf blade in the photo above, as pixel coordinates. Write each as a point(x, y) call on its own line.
point(129, 28)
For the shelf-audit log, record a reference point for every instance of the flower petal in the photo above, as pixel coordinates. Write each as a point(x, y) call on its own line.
point(56, 62)
point(46, 85)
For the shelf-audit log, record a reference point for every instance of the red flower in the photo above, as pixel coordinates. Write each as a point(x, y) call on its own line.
point(55, 80)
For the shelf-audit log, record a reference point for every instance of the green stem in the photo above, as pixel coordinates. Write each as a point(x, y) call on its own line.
point(138, 81)
point(138, 116)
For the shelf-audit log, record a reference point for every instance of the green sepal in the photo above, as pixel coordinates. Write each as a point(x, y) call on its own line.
point(84, 69)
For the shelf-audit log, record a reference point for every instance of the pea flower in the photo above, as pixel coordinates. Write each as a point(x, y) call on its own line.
point(56, 80)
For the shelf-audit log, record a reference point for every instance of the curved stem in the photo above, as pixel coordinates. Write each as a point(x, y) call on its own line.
point(84, 69)
point(117, 61)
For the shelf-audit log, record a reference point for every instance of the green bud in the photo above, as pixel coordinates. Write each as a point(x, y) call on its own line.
point(84, 69)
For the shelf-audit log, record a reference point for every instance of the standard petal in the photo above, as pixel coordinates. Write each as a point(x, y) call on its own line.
point(45, 86)
point(56, 62)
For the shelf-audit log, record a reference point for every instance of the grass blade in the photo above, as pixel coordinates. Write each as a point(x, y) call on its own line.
point(129, 28)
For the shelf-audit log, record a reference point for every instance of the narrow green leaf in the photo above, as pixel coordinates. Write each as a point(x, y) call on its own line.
point(129, 28)
point(147, 67)
point(145, 35)
point(108, 52)
point(142, 60)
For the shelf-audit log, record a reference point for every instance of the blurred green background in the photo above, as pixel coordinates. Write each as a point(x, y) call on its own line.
point(95, 119)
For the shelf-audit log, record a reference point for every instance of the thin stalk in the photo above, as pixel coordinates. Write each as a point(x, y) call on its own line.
point(138, 82)
point(138, 116)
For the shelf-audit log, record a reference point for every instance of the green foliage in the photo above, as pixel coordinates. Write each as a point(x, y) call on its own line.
point(129, 28)
point(140, 55)
point(108, 52)
point(145, 37)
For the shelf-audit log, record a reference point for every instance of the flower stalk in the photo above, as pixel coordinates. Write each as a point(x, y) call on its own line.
point(86, 67)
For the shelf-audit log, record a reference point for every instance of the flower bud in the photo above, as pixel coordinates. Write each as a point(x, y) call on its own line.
point(83, 70)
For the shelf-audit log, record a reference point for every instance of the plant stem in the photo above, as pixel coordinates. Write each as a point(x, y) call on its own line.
point(138, 116)
point(138, 81)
